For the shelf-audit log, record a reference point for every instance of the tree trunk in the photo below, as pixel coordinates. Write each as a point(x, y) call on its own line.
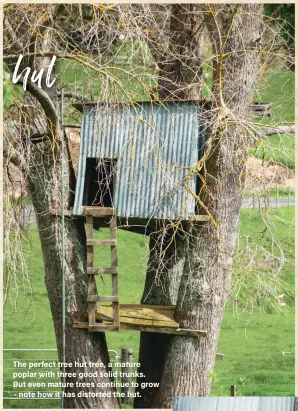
point(45, 170)
point(180, 60)
point(165, 265)
point(180, 76)
point(206, 281)
point(81, 345)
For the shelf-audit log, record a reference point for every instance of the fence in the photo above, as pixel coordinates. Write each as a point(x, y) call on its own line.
point(273, 199)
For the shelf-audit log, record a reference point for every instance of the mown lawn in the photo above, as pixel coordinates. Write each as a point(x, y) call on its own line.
point(253, 343)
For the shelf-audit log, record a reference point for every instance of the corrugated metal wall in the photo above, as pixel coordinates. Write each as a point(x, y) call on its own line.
point(234, 403)
point(155, 145)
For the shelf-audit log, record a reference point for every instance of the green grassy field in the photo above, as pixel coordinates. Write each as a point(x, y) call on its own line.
point(253, 343)
point(278, 88)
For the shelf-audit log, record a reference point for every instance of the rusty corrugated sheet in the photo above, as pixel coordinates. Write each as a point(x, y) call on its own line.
point(234, 404)
point(156, 146)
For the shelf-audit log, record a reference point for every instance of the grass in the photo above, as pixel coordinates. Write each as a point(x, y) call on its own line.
point(278, 88)
point(252, 343)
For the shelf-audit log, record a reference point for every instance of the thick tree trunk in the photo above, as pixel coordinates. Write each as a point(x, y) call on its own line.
point(206, 280)
point(44, 182)
point(165, 265)
point(180, 60)
point(180, 77)
point(50, 177)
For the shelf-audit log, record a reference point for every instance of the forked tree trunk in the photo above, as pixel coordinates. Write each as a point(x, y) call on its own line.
point(44, 174)
point(206, 280)
point(81, 345)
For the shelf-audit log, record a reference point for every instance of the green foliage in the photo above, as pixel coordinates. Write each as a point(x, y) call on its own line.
point(285, 14)
point(11, 92)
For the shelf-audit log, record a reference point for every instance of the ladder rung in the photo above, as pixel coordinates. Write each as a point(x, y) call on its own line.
point(107, 299)
point(99, 211)
point(103, 327)
point(102, 242)
point(98, 271)
point(92, 298)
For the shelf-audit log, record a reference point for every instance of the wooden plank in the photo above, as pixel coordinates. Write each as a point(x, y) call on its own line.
point(114, 264)
point(100, 271)
point(102, 242)
point(109, 299)
point(99, 211)
point(137, 321)
point(165, 330)
point(99, 298)
point(92, 290)
point(161, 330)
point(113, 236)
point(139, 311)
point(92, 298)
point(78, 324)
point(103, 328)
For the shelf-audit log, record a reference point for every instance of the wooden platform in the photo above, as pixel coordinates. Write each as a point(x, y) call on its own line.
point(149, 318)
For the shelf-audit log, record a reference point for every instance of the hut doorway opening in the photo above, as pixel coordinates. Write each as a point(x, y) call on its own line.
point(99, 182)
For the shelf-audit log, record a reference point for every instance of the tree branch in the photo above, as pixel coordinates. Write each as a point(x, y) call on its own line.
point(269, 131)
point(46, 103)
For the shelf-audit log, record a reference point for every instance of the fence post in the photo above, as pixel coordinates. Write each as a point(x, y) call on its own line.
point(126, 356)
point(233, 390)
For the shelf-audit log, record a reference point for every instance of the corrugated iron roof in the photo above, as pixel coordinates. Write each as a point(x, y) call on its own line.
point(234, 404)
point(155, 145)
point(79, 105)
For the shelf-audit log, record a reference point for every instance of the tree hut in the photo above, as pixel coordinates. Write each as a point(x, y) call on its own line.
point(138, 164)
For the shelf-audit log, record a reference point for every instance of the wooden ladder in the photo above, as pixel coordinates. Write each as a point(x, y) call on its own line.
point(93, 297)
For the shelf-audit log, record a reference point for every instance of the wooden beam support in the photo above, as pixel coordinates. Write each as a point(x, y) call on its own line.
point(133, 327)
point(103, 327)
point(100, 271)
point(165, 330)
point(99, 211)
point(109, 243)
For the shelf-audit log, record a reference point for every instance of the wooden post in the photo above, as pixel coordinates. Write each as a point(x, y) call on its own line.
point(233, 390)
point(126, 357)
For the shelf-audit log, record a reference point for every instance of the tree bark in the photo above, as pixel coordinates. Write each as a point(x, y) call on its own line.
point(45, 169)
point(180, 73)
point(164, 270)
point(43, 175)
point(206, 281)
